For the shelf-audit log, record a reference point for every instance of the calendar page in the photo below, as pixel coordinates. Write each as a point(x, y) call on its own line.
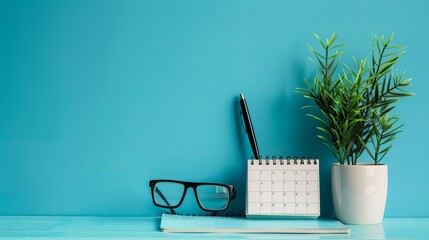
point(283, 188)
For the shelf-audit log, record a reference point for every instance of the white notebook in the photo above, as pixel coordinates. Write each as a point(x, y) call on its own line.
point(283, 188)
point(206, 224)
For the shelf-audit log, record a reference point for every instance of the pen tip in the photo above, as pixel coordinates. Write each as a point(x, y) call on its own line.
point(241, 96)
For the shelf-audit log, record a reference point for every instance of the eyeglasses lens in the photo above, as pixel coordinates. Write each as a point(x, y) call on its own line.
point(168, 194)
point(213, 197)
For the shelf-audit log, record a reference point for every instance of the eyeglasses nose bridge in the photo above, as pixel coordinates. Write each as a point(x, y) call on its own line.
point(185, 190)
point(194, 187)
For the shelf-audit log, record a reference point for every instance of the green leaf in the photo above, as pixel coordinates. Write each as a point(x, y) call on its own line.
point(324, 130)
point(366, 148)
point(333, 152)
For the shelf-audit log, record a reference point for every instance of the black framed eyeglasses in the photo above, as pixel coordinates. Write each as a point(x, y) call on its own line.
point(211, 197)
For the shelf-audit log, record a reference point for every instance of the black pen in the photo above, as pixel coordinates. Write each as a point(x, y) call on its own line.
point(249, 127)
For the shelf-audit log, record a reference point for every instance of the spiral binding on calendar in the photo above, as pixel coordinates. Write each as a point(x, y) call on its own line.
point(285, 161)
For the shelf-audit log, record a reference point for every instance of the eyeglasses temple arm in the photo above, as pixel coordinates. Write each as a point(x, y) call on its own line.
point(234, 194)
point(164, 199)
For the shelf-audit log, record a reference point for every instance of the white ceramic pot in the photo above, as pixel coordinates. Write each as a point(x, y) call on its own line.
point(359, 192)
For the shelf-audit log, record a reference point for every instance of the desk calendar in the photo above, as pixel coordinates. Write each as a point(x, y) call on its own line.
point(283, 188)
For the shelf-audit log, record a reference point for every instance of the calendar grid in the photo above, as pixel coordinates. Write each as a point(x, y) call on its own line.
point(282, 189)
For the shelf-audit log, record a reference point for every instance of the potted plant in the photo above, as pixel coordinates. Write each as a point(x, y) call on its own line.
point(355, 105)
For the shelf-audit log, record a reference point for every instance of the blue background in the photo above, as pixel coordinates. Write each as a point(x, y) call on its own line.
point(99, 97)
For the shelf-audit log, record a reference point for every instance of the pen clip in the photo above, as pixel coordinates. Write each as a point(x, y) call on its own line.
point(242, 121)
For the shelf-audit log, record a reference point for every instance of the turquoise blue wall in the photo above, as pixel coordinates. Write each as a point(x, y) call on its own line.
point(98, 97)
